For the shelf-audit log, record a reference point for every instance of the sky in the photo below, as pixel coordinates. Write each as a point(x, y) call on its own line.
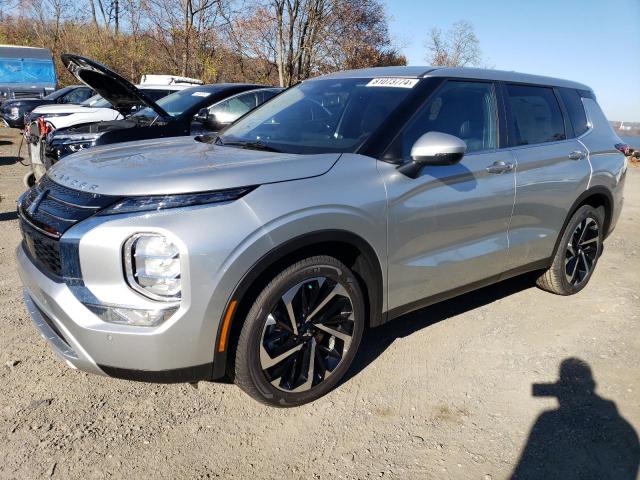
point(595, 42)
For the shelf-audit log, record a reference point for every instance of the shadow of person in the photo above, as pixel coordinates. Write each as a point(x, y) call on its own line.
point(585, 438)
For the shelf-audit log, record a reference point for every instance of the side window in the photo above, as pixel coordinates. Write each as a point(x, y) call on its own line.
point(229, 110)
point(464, 109)
point(575, 109)
point(536, 115)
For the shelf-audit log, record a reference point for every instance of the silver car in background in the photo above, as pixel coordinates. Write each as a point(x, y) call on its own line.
point(346, 201)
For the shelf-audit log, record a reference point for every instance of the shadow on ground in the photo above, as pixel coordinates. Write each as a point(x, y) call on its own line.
point(377, 340)
point(9, 160)
point(584, 438)
point(6, 216)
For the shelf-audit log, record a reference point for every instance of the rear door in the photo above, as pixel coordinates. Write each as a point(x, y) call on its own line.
point(553, 170)
point(448, 227)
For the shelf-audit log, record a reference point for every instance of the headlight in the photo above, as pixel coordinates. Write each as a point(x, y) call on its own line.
point(14, 113)
point(76, 147)
point(78, 137)
point(161, 202)
point(152, 264)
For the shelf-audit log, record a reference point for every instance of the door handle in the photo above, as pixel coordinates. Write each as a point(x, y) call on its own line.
point(500, 167)
point(577, 155)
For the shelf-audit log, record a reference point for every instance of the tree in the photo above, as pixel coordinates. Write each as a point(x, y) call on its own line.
point(457, 47)
point(262, 41)
point(302, 38)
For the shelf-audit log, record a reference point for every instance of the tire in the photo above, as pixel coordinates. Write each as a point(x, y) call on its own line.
point(572, 268)
point(273, 357)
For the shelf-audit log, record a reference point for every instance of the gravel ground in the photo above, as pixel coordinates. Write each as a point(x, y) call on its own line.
point(445, 392)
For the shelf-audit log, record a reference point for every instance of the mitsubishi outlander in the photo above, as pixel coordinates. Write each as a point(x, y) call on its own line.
point(262, 254)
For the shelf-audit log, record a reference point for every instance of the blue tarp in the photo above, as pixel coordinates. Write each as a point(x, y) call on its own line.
point(14, 70)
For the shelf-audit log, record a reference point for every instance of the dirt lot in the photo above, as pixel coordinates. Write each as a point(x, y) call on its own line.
point(445, 392)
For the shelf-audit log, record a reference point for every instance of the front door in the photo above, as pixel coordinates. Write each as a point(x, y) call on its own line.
point(448, 228)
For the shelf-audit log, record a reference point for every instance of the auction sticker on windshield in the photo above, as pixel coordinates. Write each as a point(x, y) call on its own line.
point(200, 94)
point(393, 82)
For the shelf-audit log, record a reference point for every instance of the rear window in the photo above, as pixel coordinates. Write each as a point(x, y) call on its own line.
point(575, 109)
point(536, 115)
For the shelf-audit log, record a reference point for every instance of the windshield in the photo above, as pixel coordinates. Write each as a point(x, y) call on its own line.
point(96, 102)
point(57, 93)
point(177, 103)
point(15, 70)
point(333, 115)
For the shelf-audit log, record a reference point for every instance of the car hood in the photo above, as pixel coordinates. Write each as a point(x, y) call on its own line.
point(49, 109)
point(19, 102)
point(180, 165)
point(121, 93)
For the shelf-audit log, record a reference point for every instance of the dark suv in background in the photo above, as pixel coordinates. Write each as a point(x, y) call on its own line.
point(14, 111)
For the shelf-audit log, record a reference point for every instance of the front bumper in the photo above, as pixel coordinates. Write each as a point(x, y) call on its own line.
point(84, 342)
point(43, 298)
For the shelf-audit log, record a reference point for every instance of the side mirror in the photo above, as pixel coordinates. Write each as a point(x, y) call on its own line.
point(436, 149)
point(201, 116)
point(209, 120)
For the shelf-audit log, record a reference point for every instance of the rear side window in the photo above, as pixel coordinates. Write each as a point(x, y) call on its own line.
point(575, 109)
point(535, 115)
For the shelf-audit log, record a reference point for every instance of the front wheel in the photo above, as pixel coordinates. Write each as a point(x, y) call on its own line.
point(301, 334)
point(577, 254)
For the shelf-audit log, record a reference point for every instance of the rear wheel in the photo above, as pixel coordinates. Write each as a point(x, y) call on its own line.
point(578, 253)
point(301, 334)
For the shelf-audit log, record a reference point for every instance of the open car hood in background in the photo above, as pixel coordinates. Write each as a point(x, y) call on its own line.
point(117, 90)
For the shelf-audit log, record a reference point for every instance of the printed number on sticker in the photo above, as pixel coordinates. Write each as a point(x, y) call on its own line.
point(393, 82)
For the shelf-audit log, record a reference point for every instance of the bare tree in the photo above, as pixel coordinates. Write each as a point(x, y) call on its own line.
point(266, 41)
point(301, 38)
point(457, 47)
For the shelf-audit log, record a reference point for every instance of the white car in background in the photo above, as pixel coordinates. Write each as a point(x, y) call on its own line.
point(47, 118)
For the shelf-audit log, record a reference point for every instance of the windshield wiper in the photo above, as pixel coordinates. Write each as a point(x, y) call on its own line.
point(248, 145)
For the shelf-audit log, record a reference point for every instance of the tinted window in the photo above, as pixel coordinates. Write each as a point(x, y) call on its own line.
point(536, 115)
point(464, 109)
point(575, 109)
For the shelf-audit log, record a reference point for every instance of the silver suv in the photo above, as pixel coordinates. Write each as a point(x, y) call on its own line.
point(348, 200)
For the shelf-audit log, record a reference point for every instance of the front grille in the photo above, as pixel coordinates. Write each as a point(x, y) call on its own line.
point(43, 250)
point(47, 211)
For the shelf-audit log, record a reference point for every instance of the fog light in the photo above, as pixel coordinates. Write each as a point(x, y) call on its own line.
point(152, 264)
point(131, 316)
